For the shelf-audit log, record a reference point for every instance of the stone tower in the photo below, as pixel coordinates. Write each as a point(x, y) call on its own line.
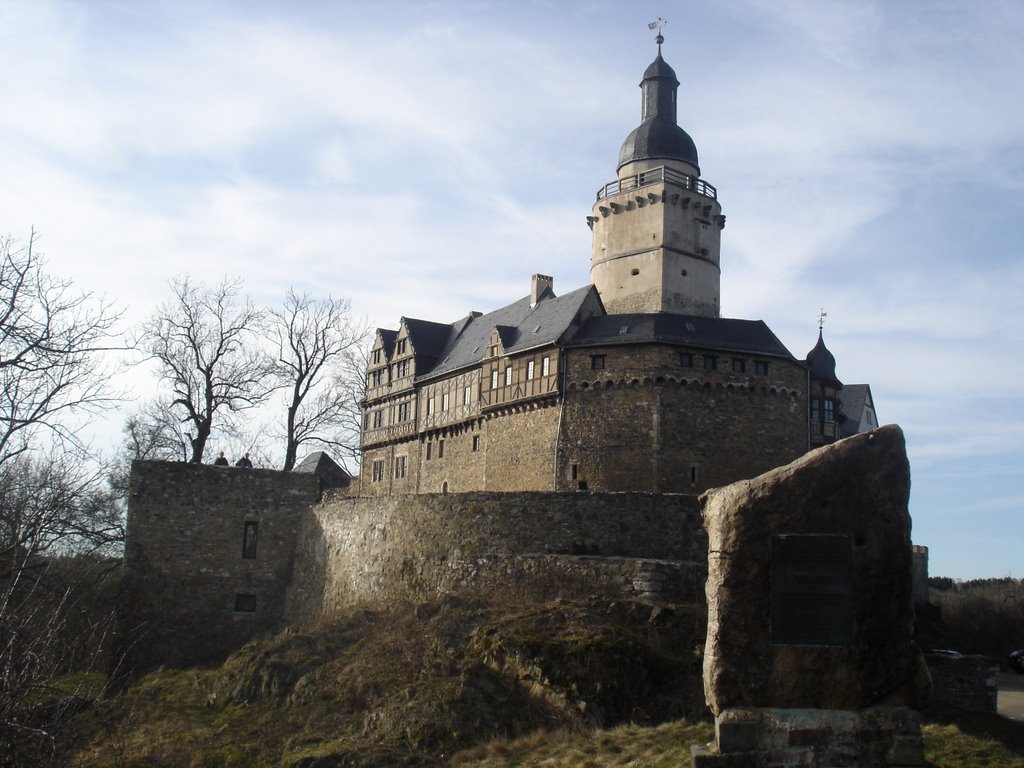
point(657, 227)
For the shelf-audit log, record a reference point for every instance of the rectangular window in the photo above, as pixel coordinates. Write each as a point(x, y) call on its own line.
point(574, 472)
point(245, 603)
point(444, 402)
point(467, 396)
point(494, 379)
point(476, 442)
point(403, 411)
point(597, 362)
point(377, 378)
point(401, 348)
point(830, 407)
point(693, 474)
point(710, 362)
point(366, 421)
point(545, 366)
point(508, 375)
point(402, 369)
point(400, 467)
point(378, 418)
point(529, 370)
point(686, 359)
point(429, 446)
point(378, 471)
point(440, 449)
point(761, 368)
point(739, 365)
point(430, 406)
point(249, 535)
point(376, 357)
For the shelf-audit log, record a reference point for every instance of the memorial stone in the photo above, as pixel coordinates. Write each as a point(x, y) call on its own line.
point(810, 657)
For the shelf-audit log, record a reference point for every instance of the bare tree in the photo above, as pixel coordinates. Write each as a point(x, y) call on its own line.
point(206, 342)
point(57, 521)
point(321, 364)
point(53, 347)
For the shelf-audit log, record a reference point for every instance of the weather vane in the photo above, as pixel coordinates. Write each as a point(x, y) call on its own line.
point(658, 24)
point(822, 314)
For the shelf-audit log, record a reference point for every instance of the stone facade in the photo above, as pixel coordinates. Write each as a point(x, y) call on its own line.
point(417, 546)
point(208, 557)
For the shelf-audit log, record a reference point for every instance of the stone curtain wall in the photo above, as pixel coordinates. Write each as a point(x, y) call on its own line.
point(184, 564)
point(410, 547)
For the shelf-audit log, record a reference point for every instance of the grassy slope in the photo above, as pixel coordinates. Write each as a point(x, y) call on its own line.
point(467, 682)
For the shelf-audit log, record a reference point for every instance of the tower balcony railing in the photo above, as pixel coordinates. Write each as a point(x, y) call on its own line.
point(655, 176)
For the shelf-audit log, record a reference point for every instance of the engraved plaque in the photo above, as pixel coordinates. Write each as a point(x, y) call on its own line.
point(811, 583)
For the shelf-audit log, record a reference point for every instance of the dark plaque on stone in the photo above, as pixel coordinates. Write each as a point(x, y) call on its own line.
point(811, 582)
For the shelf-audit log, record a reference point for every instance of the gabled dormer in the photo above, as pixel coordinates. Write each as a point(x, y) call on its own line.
point(378, 376)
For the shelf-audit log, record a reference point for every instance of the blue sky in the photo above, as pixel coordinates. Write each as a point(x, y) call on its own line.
point(424, 158)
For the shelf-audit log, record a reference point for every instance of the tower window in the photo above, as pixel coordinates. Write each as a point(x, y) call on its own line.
point(830, 406)
point(597, 362)
point(710, 362)
point(635, 272)
point(761, 368)
point(739, 365)
point(249, 535)
point(245, 603)
point(686, 359)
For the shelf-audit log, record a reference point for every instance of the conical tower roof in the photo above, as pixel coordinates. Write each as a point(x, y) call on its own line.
point(659, 137)
point(822, 363)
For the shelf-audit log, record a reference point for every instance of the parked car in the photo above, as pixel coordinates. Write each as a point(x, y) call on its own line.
point(1017, 661)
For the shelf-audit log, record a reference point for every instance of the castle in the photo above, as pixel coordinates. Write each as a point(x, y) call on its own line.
point(632, 383)
point(561, 440)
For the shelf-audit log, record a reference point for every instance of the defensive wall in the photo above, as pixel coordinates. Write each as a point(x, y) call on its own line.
point(417, 546)
point(215, 556)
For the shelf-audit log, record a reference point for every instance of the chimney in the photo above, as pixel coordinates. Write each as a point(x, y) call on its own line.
point(539, 284)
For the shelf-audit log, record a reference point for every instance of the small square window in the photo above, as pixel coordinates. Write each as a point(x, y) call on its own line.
point(710, 362)
point(761, 368)
point(245, 603)
point(597, 362)
point(686, 359)
point(739, 365)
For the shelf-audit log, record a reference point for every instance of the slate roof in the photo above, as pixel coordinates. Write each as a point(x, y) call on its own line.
point(387, 338)
point(750, 336)
point(427, 338)
point(520, 326)
point(822, 362)
point(331, 475)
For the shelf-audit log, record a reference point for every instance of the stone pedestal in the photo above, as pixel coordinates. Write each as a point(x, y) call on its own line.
point(810, 658)
point(876, 737)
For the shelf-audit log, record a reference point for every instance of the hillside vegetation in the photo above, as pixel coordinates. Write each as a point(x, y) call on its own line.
point(408, 685)
point(460, 681)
